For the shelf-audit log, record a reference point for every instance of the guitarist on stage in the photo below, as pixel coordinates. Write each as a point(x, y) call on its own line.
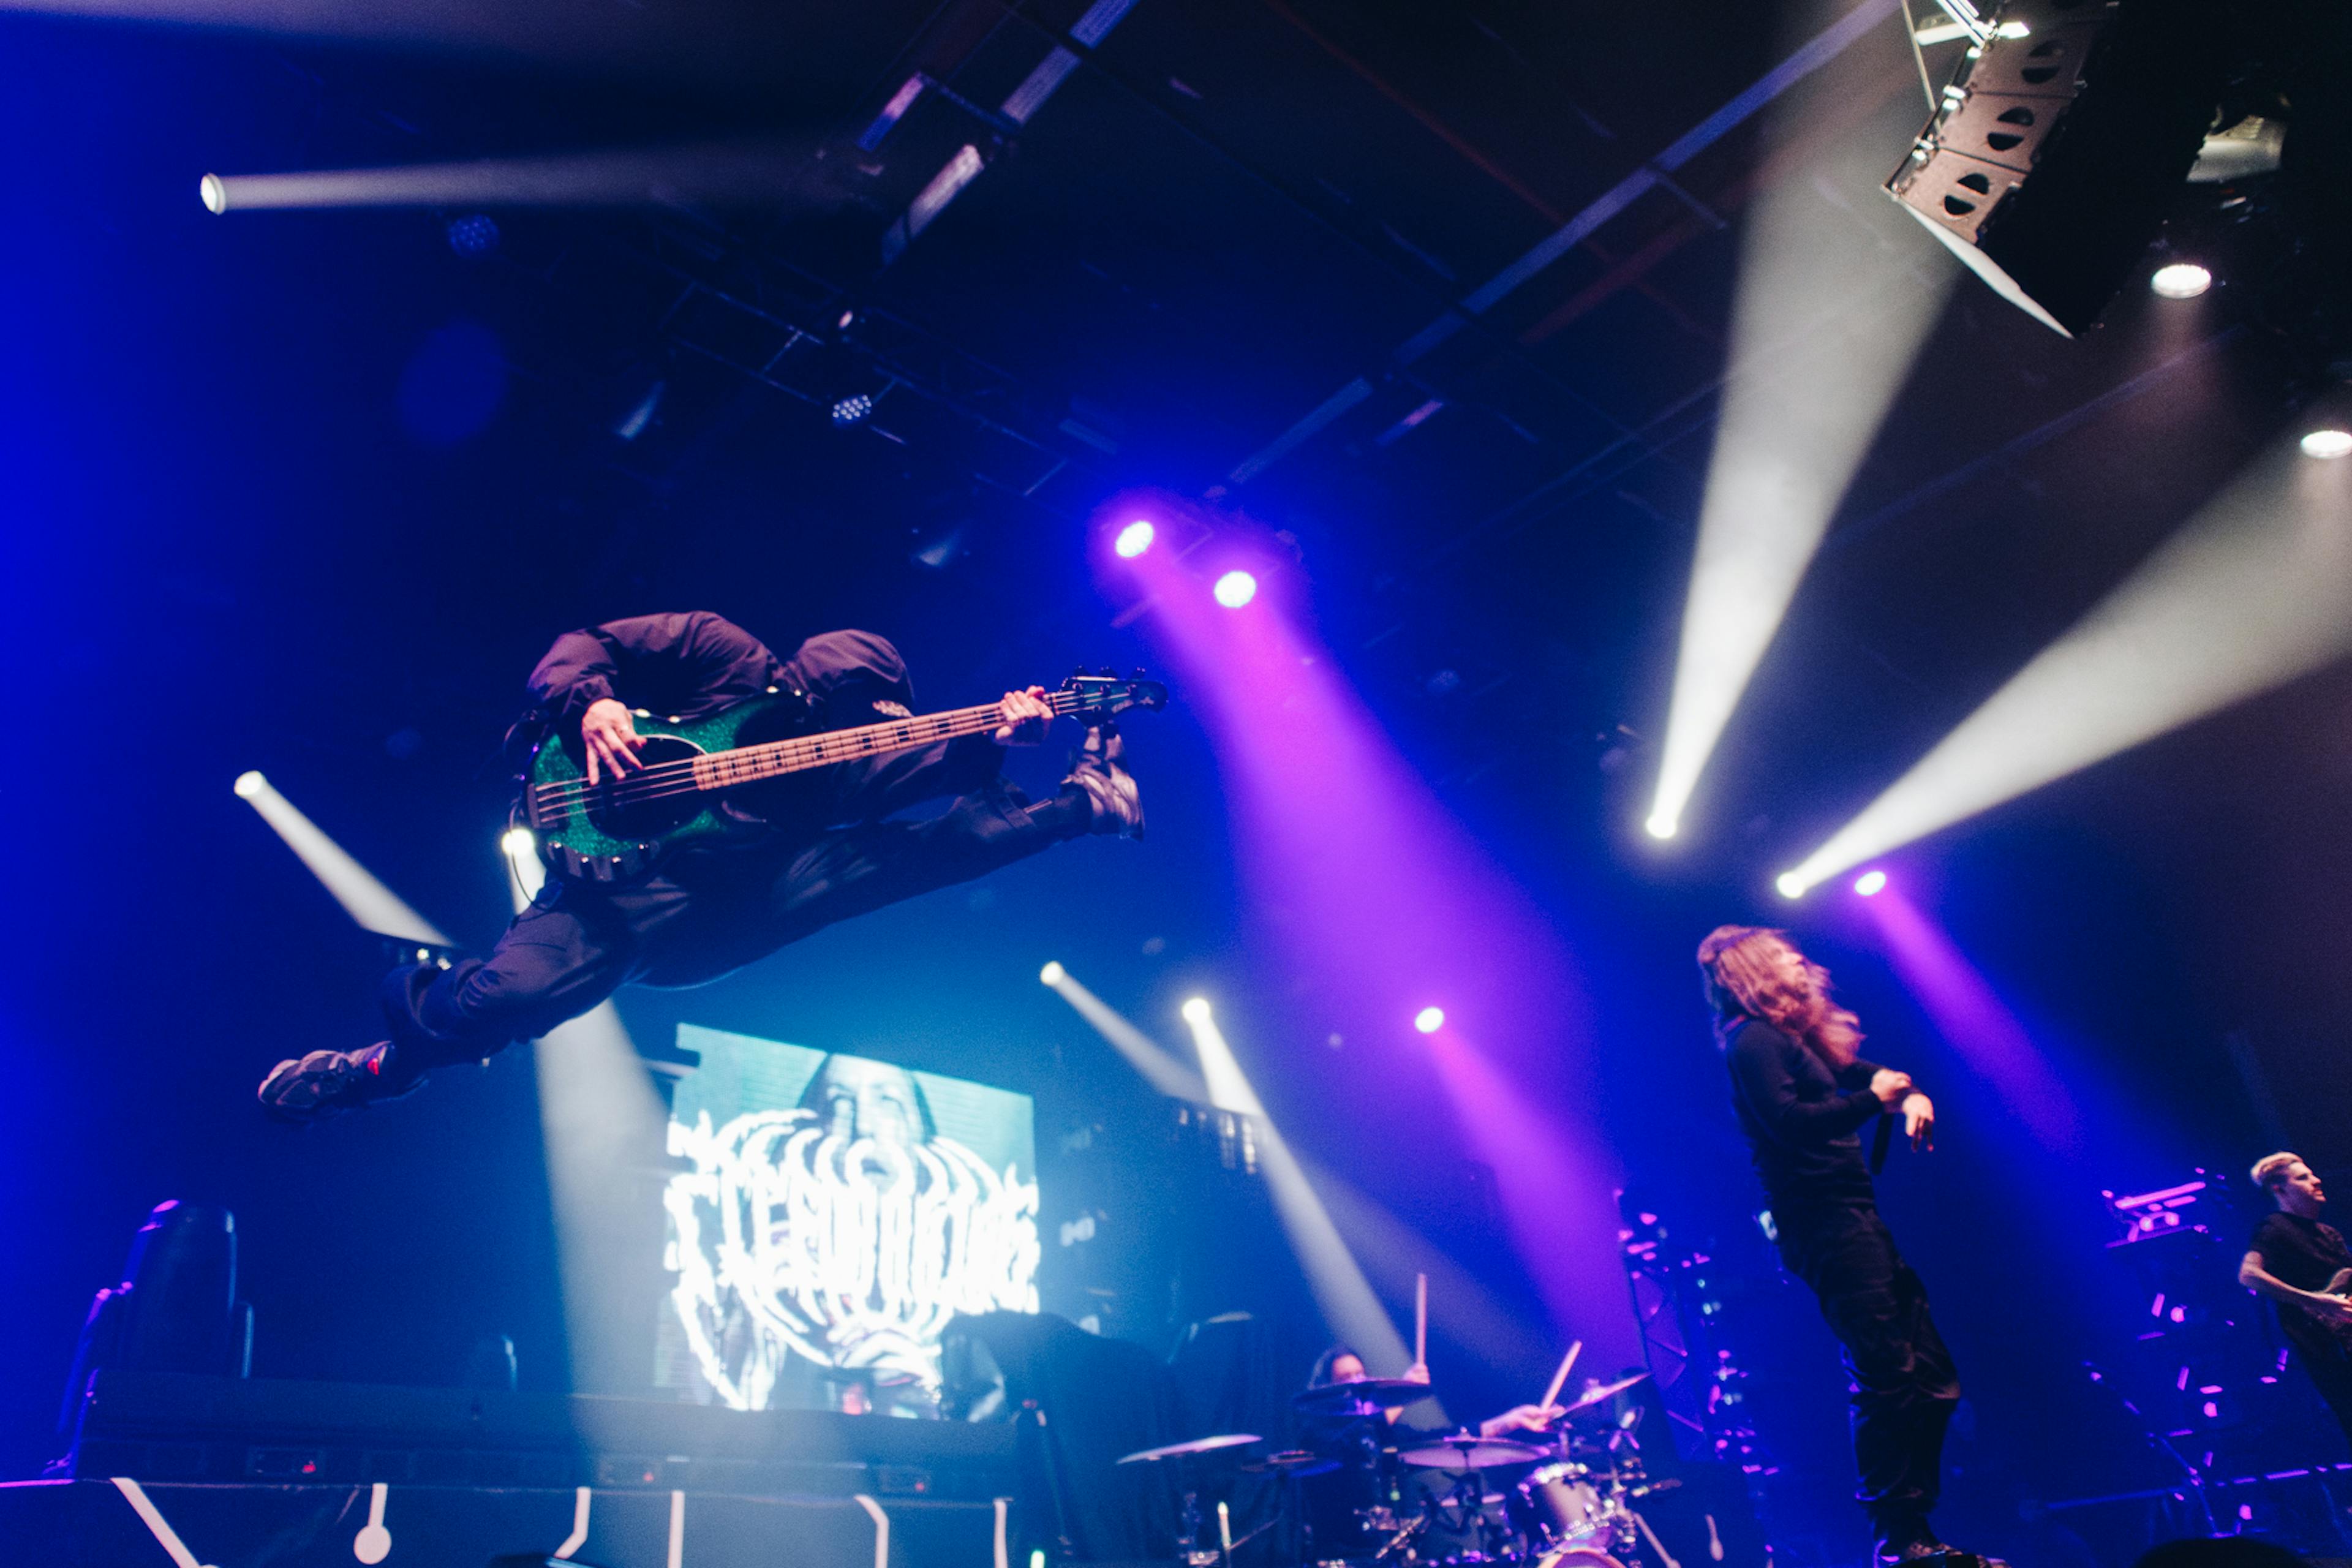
point(2296, 1262)
point(704, 913)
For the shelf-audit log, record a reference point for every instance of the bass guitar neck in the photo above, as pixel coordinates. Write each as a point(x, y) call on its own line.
point(730, 777)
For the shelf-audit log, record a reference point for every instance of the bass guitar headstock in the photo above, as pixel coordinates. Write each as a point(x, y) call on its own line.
point(1107, 695)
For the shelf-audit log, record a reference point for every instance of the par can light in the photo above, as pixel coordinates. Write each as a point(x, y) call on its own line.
point(2181, 280)
point(2328, 443)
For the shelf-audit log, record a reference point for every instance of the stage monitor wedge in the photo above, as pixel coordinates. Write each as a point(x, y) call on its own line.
point(2055, 154)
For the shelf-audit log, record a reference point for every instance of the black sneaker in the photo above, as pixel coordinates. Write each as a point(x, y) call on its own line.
point(326, 1083)
point(1108, 787)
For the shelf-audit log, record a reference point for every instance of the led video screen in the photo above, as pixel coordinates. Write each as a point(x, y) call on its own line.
point(827, 1214)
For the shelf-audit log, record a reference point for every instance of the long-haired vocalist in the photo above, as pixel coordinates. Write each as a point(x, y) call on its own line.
point(1803, 1094)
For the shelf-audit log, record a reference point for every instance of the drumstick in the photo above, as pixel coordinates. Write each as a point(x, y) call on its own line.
point(1421, 1320)
point(1559, 1378)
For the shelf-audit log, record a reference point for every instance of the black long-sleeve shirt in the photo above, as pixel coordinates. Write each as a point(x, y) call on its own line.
point(684, 666)
point(694, 664)
point(1803, 1123)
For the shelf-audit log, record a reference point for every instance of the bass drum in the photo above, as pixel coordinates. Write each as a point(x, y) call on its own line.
point(1578, 1557)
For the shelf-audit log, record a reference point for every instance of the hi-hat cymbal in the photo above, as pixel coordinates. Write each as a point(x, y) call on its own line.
point(1197, 1445)
point(1369, 1393)
point(1467, 1451)
point(1603, 1394)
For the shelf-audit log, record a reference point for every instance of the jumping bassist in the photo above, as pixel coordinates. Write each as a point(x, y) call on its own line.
point(718, 858)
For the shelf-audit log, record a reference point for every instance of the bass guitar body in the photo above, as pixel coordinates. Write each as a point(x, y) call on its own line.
point(613, 833)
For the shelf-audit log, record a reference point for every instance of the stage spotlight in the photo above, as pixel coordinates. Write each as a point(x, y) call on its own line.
point(1236, 589)
point(1663, 827)
point(249, 784)
point(1429, 1020)
point(476, 234)
point(2180, 280)
point(2328, 443)
point(519, 842)
point(851, 409)
point(1134, 539)
point(1195, 1011)
point(2253, 590)
point(1792, 885)
point(1052, 975)
point(1870, 884)
point(214, 192)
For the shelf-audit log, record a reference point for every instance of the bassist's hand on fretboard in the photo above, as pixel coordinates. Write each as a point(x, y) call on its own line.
point(1026, 714)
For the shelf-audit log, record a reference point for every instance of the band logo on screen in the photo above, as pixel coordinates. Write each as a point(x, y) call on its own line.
point(835, 1213)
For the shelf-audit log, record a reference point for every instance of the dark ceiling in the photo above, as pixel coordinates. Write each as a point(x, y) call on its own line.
point(1209, 266)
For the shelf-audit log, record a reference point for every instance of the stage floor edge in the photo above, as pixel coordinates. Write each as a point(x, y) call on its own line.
point(124, 1523)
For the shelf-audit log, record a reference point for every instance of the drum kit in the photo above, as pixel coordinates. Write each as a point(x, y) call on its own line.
point(1373, 1495)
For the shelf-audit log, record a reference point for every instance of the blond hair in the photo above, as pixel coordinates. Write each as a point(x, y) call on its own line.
point(2270, 1171)
point(1741, 980)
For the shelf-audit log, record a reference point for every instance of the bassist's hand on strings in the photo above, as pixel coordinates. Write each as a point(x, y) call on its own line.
point(608, 735)
point(1026, 714)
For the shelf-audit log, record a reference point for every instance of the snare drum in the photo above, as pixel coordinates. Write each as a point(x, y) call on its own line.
point(1558, 1506)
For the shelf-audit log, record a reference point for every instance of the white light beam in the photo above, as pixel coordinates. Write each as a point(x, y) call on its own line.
point(603, 1127)
point(1160, 1069)
point(2255, 590)
point(1333, 1275)
point(375, 906)
point(1834, 297)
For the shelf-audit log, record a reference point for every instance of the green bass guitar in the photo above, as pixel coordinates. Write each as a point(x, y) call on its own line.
point(739, 775)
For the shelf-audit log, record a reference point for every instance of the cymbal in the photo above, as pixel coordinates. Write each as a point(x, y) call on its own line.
point(1291, 1462)
point(1467, 1451)
point(1603, 1394)
point(1371, 1393)
point(1197, 1445)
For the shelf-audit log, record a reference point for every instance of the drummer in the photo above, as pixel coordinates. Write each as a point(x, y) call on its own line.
point(1342, 1363)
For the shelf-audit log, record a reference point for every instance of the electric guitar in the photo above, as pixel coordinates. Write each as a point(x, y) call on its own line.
point(2338, 1284)
point(739, 775)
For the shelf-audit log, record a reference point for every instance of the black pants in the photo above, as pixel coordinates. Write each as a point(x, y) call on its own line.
point(1904, 1385)
point(2331, 1374)
point(705, 918)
